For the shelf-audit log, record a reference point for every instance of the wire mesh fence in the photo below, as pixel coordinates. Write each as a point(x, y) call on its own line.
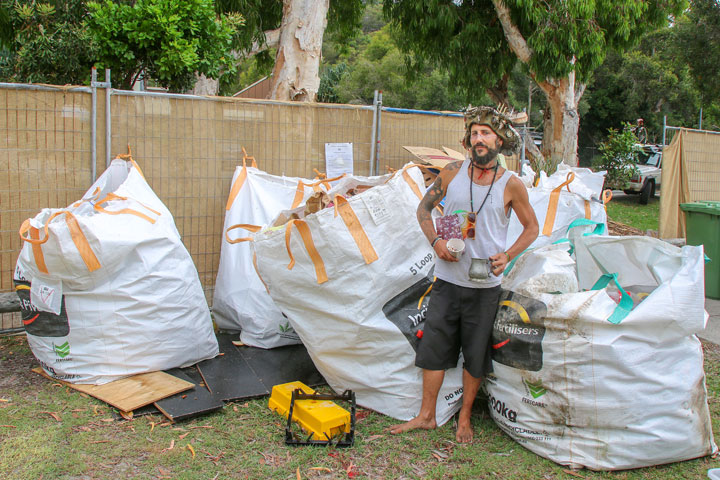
point(188, 148)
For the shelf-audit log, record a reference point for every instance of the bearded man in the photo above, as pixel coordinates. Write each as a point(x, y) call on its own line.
point(464, 301)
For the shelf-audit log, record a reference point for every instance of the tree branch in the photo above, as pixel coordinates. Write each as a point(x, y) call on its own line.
point(272, 40)
point(512, 34)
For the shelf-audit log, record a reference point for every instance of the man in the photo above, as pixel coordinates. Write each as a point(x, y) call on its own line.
point(462, 309)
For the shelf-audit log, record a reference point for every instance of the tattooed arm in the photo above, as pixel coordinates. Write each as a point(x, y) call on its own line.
point(431, 199)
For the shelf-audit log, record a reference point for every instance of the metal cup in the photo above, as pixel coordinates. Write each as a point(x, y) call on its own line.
point(479, 269)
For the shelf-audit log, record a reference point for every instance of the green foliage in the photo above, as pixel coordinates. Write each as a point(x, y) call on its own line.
point(374, 62)
point(166, 40)
point(329, 80)
point(697, 37)
point(45, 42)
point(619, 157)
point(467, 38)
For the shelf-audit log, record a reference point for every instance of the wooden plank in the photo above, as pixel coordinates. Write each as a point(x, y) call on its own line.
point(228, 376)
point(194, 402)
point(130, 393)
point(282, 365)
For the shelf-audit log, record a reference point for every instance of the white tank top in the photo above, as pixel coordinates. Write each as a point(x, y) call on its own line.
point(491, 226)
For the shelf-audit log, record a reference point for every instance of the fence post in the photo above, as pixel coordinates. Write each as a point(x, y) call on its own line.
point(373, 134)
point(379, 123)
point(108, 120)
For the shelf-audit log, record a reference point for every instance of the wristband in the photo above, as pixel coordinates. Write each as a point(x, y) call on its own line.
point(435, 240)
point(507, 255)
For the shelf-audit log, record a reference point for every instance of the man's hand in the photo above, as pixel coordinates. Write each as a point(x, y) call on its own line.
point(442, 252)
point(498, 262)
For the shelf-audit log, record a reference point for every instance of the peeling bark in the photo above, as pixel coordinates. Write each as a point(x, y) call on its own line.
point(561, 119)
point(204, 85)
point(296, 73)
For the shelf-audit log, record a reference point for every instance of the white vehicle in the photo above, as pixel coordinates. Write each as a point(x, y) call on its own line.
point(647, 179)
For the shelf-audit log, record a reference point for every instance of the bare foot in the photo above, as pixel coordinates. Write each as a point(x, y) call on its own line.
point(464, 432)
point(415, 423)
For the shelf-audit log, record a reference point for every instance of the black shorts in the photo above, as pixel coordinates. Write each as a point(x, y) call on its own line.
point(458, 317)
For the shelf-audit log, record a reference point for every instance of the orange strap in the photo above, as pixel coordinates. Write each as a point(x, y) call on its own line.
point(553, 204)
point(128, 158)
point(36, 243)
point(246, 226)
point(587, 209)
point(237, 185)
point(355, 228)
point(306, 236)
point(413, 185)
point(300, 192)
point(606, 197)
point(78, 238)
point(128, 211)
point(323, 178)
point(240, 180)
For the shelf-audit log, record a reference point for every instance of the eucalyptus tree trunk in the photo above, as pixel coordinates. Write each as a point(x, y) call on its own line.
point(205, 85)
point(296, 73)
point(561, 120)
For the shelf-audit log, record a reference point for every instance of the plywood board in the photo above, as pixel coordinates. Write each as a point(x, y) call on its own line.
point(194, 402)
point(130, 393)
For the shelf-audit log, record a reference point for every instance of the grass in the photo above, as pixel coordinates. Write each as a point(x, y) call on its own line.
point(627, 209)
point(245, 440)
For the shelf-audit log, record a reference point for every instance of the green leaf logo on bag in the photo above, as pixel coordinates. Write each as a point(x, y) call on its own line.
point(287, 331)
point(518, 332)
point(535, 389)
point(63, 350)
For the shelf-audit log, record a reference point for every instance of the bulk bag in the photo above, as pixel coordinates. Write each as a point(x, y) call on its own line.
point(240, 301)
point(609, 378)
point(354, 280)
point(107, 287)
point(558, 200)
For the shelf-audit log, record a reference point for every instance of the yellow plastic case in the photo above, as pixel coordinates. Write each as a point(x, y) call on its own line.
point(323, 418)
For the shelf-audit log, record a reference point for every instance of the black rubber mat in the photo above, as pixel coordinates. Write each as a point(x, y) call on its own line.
point(190, 403)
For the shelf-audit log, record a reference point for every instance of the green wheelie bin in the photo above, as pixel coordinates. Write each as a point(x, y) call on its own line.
point(702, 220)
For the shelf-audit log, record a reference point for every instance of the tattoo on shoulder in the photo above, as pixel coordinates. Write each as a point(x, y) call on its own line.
point(454, 166)
point(433, 195)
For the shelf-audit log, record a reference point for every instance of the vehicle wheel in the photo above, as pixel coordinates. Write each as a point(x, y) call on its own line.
point(645, 193)
point(652, 191)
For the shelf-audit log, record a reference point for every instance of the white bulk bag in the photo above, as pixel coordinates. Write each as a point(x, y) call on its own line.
point(354, 280)
point(582, 391)
point(114, 291)
point(567, 195)
point(240, 300)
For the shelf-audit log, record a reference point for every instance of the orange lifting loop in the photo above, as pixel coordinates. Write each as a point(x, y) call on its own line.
point(128, 158)
point(128, 211)
point(300, 192)
point(246, 226)
point(355, 228)
point(306, 236)
point(607, 196)
point(553, 204)
point(240, 180)
point(76, 233)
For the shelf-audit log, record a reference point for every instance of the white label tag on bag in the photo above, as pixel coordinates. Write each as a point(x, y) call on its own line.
point(377, 207)
point(46, 294)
